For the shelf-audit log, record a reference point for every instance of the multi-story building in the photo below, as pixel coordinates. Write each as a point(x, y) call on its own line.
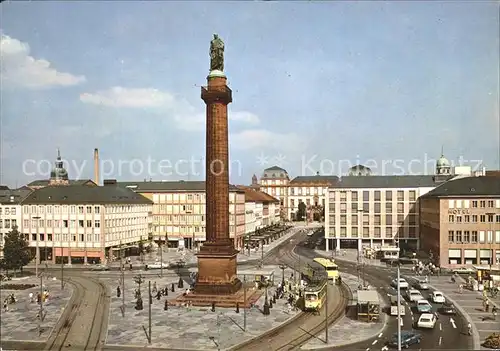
point(372, 211)
point(261, 209)
point(179, 211)
point(10, 211)
point(311, 190)
point(275, 182)
point(460, 222)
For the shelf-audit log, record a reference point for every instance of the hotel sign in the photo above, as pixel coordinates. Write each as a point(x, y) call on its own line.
point(459, 211)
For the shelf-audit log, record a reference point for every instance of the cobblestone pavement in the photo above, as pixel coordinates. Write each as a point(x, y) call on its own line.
point(342, 332)
point(194, 328)
point(20, 322)
point(471, 303)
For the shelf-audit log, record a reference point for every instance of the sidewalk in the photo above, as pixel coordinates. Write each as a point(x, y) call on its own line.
point(469, 304)
point(347, 330)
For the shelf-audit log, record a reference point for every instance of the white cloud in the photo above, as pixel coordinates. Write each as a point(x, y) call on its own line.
point(21, 69)
point(262, 138)
point(132, 98)
point(244, 117)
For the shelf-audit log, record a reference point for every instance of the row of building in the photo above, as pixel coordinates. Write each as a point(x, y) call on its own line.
point(79, 221)
point(452, 216)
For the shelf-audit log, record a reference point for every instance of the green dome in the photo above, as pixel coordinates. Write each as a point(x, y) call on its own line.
point(442, 162)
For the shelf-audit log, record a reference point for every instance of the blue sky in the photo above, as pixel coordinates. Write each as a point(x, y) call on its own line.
point(316, 86)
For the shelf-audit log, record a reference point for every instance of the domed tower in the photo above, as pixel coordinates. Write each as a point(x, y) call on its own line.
point(59, 175)
point(443, 166)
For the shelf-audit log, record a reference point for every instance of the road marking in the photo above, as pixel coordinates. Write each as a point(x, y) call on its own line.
point(368, 349)
point(374, 342)
point(411, 312)
point(440, 340)
point(440, 327)
point(452, 321)
point(385, 348)
point(380, 335)
point(412, 318)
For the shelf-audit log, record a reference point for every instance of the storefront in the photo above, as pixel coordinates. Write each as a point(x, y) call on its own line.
point(470, 256)
point(485, 256)
point(454, 256)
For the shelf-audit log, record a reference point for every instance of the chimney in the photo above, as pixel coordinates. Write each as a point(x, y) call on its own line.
point(96, 166)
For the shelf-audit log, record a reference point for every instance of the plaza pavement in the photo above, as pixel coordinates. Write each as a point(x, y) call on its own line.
point(193, 328)
point(469, 303)
point(20, 322)
point(342, 332)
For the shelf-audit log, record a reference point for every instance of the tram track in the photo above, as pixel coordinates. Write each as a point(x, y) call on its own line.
point(85, 321)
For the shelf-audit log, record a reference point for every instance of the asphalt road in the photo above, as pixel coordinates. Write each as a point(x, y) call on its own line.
point(443, 336)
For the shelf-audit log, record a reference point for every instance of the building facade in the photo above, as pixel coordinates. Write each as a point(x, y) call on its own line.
point(372, 211)
point(179, 211)
point(262, 210)
point(10, 211)
point(275, 182)
point(83, 224)
point(460, 222)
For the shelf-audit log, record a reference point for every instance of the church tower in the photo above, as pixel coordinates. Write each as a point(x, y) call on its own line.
point(59, 175)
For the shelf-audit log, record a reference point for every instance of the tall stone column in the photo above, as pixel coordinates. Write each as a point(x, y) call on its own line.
point(217, 257)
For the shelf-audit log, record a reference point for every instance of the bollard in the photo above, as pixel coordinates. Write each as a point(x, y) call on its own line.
point(165, 308)
point(237, 307)
point(266, 311)
point(138, 305)
point(271, 303)
point(118, 291)
point(166, 291)
point(213, 307)
point(173, 287)
point(180, 285)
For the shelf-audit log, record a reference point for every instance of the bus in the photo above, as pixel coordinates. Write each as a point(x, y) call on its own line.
point(329, 265)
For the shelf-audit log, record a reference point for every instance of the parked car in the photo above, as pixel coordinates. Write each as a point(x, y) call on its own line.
point(438, 297)
point(423, 306)
point(403, 284)
point(99, 267)
point(408, 338)
point(464, 270)
point(157, 265)
point(414, 295)
point(421, 285)
point(447, 308)
point(427, 321)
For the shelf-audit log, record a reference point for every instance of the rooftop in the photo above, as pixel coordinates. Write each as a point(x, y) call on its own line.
point(13, 196)
point(374, 181)
point(169, 186)
point(77, 194)
point(37, 183)
point(332, 180)
point(368, 296)
point(252, 195)
point(468, 186)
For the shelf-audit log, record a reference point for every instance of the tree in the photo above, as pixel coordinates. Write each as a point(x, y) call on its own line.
point(301, 213)
point(16, 251)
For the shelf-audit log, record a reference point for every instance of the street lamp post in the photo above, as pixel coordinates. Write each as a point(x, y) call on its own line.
point(399, 305)
point(266, 310)
point(282, 267)
point(37, 251)
point(490, 214)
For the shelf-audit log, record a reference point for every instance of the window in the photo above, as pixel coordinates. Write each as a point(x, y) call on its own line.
point(80, 209)
point(73, 209)
point(388, 232)
point(49, 237)
point(73, 237)
point(97, 224)
point(354, 232)
point(366, 195)
point(354, 206)
point(366, 207)
point(72, 224)
point(473, 238)
point(388, 219)
point(401, 218)
point(7, 211)
point(490, 218)
point(7, 223)
point(450, 236)
point(97, 210)
point(366, 232)
point(354, 219)
point(413, 195)
point(343, 196)
point(377, 195)
point(466, 237)
point(491, 203)
point(13, 211)
point(482, 218)
point(343, 232)
point(366, 219)
point(474, 204)
point(89, 237)
point(343, 220)
point(292, 203)
point(401, 195)
point(377, 219)
point(377, 232)
point(451, 218)
point(377, 207)
point(81, 237)
point(49, 223)
point(497, 218)
point(466, 219)
point(65, 223)
point(96, 237)
point(401, 207)
point(343, 207)
point(89, 223)
point(33, 237)
point(388, 195)
point(388, 207)
point(412, 220)
point(474, 218)
point(458, 236)
point(89, 209)
point(354, 196)
point(482, 204)
point(459, 219)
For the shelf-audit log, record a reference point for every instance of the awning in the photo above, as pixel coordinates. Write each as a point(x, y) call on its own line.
point(368, 296)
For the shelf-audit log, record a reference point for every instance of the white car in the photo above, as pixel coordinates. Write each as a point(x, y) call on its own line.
point(438, 297)
point(427, 320)
point(157, 265)
point(403, 284)
point(414, 295)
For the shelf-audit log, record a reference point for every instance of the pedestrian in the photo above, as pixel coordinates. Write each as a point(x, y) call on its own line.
point(31, 297)
point(487, 306)
point(494, 311)
point(469, 329)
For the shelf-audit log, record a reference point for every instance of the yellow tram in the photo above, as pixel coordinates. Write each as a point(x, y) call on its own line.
point(330, 267)
point(315, 295)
